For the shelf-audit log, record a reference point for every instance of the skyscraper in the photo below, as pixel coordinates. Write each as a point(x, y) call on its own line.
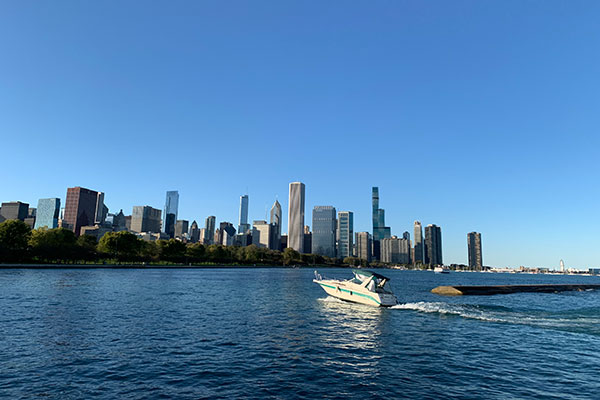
point(261, 234)
point(296, 217)
point(243, 225)
point(380, 231)
point(323, 234)
point(474, 248)
point(80, 209)
point(226, 233)
point(47, 213)
point(170, 213)
point(345, 234)
point(209, 229)
point(181, 228)
point(276, 223)
point(418, 249)
point(14, 210)
point(101, 209)
point(194, 232)
point(433, 245)
point(364, 244)
point(145, 219)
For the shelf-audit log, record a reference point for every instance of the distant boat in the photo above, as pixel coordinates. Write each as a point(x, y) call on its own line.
point(441, 270)
point(366, 288)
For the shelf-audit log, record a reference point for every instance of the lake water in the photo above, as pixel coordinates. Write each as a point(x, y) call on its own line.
point(273, 333)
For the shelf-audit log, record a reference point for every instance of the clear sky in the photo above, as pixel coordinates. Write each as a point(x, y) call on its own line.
point(473, 115)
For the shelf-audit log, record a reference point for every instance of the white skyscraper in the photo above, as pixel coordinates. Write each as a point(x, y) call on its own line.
point(296, 217)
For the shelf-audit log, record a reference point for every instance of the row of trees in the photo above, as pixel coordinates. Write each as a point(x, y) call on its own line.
point(20, 244)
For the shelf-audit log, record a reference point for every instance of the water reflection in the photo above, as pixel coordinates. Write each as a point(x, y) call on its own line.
point(353, 334)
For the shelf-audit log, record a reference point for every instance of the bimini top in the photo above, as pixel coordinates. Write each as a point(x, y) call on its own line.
point(368, 274)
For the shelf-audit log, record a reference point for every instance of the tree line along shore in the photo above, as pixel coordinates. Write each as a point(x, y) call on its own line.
point(19, 244)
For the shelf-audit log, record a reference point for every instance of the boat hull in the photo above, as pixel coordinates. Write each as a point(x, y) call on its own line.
point(356, 295)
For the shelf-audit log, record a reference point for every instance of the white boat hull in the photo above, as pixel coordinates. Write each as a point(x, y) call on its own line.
point(356, 294)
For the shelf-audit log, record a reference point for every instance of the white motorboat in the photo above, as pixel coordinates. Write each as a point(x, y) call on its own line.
point(441, 270)
point(365, 287)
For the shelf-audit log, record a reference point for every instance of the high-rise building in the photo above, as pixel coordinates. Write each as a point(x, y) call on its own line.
point(47, 213)
point(395, 250)
point(296, 217)
point(80, 208)
point(276, 223)
point(243, 225)
point(433, 245)
point(364, 243)
point(119, 222)
point(145, 219)
point(345, 234)
point(406, 253)
point(307, 240)
point(209, 228)
point(261, 234)
point(170, 212)
point(380, 231)
point(101, 210)
point(323, 234)
point(202, 238)
point(14, 210)
point(194, 232)
point(418, 257)
point(475, 254)
point(181, 228)
point(226, 233)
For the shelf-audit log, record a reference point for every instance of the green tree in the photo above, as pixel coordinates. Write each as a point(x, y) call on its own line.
point(85, 248)
point(290, 256)
point(196, 252)
point(53, 245)
point(172, 250)
point(124, 246)
point(149, 251)
point(216, 253)
point(352, 261)
point(14, 239)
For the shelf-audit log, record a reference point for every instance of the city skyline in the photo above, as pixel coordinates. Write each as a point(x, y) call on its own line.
point(487, 111)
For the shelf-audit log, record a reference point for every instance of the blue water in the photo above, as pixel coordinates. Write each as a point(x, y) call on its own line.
point(272, 333)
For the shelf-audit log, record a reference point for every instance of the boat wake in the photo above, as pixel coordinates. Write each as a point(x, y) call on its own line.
point(580, 321)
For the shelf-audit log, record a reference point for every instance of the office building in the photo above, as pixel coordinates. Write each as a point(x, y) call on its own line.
point(433, 245)
point(226, 233)
point(296, 217)
point(194, 232)
point(276, 223)
point(145, 219)
point(364, 244)
point(181, 229)
point(345, 234)
point(80, 208)
point(474, 249)
point(261, 234)
point(47, 213)
point(101, 210)
point(307, 240)
point(395, 250)
point(243, 225)
point(323, 234)
point(418, 251)
point(209, 228)
point(14, 210)
point(170, 213)
point(380, 231)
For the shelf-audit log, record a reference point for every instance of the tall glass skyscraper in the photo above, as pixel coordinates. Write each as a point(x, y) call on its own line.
point(209, 229)
point(276, 224)
point(433, 245)
point(418, 255)
point(243, 225)
point(323, 234)
point(296, 217)
point(47, 213)
point(80, 209)
point(345, 234)
point(475, 254)
point(170, 213)
point(380, 231)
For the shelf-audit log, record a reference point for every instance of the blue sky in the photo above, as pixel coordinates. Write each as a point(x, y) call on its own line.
point(468, 114)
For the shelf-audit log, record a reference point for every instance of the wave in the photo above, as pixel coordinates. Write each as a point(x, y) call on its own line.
point(573, 321)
